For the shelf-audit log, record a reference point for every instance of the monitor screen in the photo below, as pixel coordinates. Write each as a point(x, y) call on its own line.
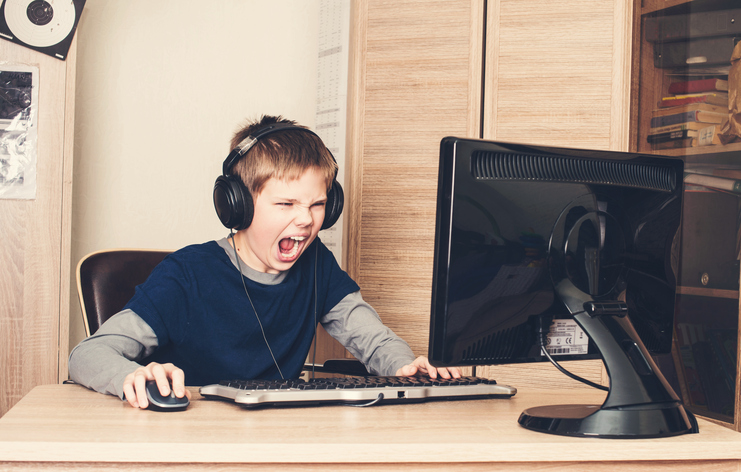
point(545, 252)
point(520, 227)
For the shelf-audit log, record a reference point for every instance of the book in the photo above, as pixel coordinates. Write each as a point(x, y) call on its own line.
point(698, 85)
point(698, 116)
point(698, 106)
point(692, 125)
point(673, 144)
point(714, 98)
point(684, 138)
point(707, 136)
point(727, 173)
point(672, 135)
point(719, 183)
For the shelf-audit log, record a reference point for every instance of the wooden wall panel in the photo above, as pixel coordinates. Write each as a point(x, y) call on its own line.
point(416, 70)
point(558, 72)
point(35, 241)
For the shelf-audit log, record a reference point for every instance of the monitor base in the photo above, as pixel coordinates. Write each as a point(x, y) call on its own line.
point(640, 421)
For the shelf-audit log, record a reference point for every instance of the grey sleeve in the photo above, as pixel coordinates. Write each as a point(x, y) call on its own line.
point(102, 361)
point(357, 326)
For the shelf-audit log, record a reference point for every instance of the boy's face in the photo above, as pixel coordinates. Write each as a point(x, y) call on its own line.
point(288, 216)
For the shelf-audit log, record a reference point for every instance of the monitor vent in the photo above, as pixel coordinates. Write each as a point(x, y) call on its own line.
point(496, 347)
point(511, 166)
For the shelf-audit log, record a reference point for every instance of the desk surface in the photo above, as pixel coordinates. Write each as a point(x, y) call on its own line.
point(70, 427)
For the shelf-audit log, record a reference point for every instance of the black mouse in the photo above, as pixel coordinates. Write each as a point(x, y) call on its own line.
point(158, 402)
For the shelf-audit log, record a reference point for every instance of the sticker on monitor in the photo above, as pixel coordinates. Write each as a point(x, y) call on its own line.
point(566, 338)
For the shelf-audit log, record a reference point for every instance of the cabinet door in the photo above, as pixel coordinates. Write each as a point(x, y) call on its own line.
point(558, 73)
point(34, 241)
point(685, 47)
point(415, 78)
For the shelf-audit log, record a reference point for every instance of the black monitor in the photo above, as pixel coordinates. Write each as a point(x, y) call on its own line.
point(544, 252)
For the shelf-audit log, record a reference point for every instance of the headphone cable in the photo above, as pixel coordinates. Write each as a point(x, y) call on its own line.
point(313, 354)
point(239, 266)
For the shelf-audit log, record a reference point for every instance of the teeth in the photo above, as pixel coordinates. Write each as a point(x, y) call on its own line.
point(292, 253)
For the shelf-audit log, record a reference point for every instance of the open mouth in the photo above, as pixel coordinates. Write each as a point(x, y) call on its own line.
point(290, 247)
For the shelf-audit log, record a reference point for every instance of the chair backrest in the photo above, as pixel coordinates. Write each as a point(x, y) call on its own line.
point(106, 281)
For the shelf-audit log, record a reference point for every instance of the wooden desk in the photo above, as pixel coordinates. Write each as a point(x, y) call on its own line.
point(69, 427)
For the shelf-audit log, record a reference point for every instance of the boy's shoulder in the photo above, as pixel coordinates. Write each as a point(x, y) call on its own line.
point(199, 248)
point(195, 252)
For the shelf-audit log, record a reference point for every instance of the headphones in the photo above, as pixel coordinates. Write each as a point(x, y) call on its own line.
point(234, 203)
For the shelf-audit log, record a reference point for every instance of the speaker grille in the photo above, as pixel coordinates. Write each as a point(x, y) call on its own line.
point(487, 165)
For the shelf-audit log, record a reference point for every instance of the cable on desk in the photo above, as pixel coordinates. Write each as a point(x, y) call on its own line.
point(370, 403)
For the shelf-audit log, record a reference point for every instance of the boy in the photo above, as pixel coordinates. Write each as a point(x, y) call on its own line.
point(247, 306)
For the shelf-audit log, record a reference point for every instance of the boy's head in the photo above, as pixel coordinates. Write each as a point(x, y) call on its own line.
point(272, 147)
point(278, 189)
point(284, 155)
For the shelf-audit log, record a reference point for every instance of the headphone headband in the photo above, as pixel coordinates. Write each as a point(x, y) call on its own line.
point(249, 142)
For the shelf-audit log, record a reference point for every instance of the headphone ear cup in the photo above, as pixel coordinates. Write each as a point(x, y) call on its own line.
point(335, 203)
point(233, 202)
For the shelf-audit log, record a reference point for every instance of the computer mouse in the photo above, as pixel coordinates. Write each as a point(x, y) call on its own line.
point(158, 402)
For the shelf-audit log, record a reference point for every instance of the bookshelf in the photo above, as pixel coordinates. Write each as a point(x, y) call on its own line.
point(658, 63)
point(667, 34)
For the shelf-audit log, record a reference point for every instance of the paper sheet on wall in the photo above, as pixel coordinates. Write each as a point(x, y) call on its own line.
point(19, 85)
point(331, 106)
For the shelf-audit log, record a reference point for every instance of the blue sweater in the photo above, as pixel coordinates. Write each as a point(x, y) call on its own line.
point(205, 324)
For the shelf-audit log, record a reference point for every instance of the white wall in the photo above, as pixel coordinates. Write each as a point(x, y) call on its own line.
point(161, 87)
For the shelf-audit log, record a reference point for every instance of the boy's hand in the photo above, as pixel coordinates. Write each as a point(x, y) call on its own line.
point(134, 385)
point(422, 365)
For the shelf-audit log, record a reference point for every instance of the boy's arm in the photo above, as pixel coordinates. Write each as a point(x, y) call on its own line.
point(102, 361)
point(357, 326)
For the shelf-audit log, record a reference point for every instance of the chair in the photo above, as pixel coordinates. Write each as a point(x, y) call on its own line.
point(106, 281)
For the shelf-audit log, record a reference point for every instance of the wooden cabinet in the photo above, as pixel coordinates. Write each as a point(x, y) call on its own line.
point(537, 72)
point(685, 41)
point(35, 241)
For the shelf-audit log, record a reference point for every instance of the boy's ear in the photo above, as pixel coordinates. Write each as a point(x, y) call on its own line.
point(233, 202)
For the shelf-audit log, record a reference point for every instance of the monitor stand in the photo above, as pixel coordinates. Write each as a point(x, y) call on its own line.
point(640, 403)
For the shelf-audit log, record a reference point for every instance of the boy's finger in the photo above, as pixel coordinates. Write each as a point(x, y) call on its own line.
point(130, 395)
point(178, 382)
point(140, 388)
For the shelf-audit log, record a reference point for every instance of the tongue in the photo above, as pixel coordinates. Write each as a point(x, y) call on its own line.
point(287, 244)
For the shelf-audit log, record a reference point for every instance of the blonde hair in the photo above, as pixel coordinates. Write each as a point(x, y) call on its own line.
point(284, 155)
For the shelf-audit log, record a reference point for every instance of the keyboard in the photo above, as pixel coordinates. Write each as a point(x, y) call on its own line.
point(358, 391)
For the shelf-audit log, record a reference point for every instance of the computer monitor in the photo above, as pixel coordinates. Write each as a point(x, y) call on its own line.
point(542, 250)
